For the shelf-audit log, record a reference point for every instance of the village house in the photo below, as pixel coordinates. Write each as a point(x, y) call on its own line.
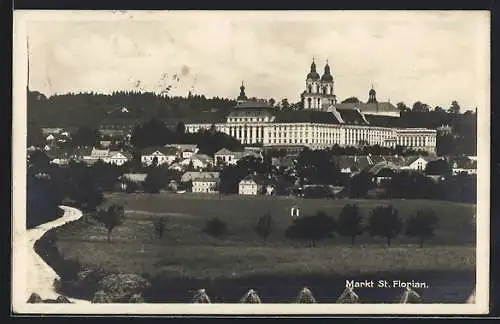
point(416, 163)
point(198, 161)
point(185, 151)
point(204, 185)
point(127, 178)
point(118, 157)
point(206, 182)
point(162, 154)
point(96, 155)
point(383, 171)
point(252, 185)
point(463, 165)
point(227, 157)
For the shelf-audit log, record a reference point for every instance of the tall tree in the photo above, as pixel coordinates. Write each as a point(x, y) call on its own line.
point(263, 227)
point(350, 222)
point(384, 221)
point(455, 108)
point(422, 225)
point(401, 106)
point(284, 104)
point(311, 228)
point(159, 227)
point(420, 107)
point(215, 228)
point(111, 218)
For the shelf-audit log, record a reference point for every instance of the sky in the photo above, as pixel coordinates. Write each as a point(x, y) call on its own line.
point(434, 57)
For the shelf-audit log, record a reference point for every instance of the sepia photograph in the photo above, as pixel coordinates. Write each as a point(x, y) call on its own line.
point(198, 162)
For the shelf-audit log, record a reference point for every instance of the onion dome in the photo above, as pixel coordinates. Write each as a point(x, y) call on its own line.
point(313, 75)
point(242, 95)
point(327, 77)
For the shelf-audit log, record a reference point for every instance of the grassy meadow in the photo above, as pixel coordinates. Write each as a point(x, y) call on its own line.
point(185, 253)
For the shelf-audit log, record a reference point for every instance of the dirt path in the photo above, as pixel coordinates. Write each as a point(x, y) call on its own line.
point(41, 276)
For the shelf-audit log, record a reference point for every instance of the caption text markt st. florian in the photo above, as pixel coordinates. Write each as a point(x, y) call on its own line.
point(385, 284)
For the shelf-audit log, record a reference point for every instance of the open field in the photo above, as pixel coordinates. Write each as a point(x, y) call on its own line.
point(185, 257)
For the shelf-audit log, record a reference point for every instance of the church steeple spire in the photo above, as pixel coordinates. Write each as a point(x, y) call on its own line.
point(242, 95)
point(372, 95)
point(313, 75)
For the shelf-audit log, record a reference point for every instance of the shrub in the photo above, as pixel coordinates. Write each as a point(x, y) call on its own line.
point(311, 228)
point(121, 286)
point(111, 217)
point(422, 225)
point(350, 222)
point(385, 222)
point(215, 228)
point(263, 227)
point(101, 297)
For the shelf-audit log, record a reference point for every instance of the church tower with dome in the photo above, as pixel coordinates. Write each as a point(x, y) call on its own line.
point(319, 93)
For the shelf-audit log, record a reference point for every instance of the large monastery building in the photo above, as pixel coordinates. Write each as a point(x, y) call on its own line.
point(321, 123)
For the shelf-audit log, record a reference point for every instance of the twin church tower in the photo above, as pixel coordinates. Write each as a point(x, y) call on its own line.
point(320, 90)
point(319, 93)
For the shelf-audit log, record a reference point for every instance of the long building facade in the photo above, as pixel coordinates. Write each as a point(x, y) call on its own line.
point(321, 125)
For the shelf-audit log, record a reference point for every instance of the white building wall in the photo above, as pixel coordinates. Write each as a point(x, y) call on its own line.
point(317, 136)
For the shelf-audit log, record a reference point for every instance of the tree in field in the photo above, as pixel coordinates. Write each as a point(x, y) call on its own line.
point(155, 180)
point(215, 228)
point(159, 227)
point(263, 227)
point(311, 228)
point(350, 222)
point(384, 221)
point(111, 218)
point(422, 225)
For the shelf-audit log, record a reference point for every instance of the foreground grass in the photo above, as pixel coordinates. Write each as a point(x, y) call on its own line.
point(186, 252)
point(211, 262)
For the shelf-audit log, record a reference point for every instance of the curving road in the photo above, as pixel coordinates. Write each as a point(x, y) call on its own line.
point(41, 276)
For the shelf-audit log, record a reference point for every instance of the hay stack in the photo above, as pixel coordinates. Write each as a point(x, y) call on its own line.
point(410, 297)
point(35, 299)
point(201, 297)
point(305, 297)
point(348, 297)
point(251, 297)
point(63, 300)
